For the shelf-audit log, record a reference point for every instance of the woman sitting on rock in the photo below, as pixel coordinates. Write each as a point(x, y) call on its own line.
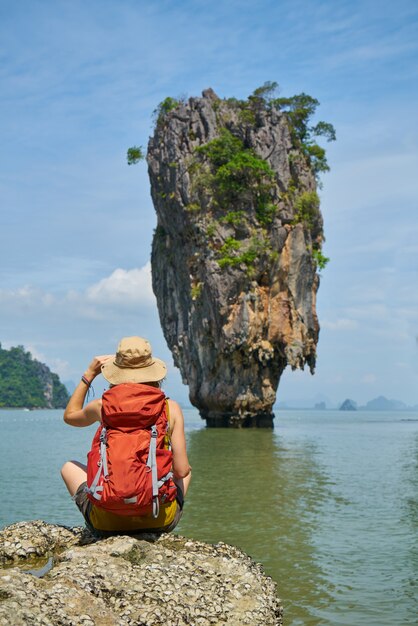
point(137, 473)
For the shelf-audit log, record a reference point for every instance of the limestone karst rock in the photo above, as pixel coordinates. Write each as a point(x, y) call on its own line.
point(235, 252)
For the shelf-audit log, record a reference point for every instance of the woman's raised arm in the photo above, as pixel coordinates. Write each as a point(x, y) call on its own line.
point(75, 413)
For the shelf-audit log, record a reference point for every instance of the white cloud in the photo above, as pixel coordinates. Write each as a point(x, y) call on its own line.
point(125, 290)
point(371, 52)
point(340, 324)
point(124, 287)
point(25, 298)
point(369, 379)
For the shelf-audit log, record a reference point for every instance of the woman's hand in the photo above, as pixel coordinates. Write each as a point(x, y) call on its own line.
point(95, 366)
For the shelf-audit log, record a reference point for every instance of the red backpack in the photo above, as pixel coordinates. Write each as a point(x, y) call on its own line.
point(129, 466)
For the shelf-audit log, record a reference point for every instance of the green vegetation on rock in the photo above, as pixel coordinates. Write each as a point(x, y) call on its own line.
point(237, 187)
point(299, 110)
point(235, 218)
point(167, 105)
point(320, 259)
point(237, 176)
point(228, 257)
point(25, 382)
point(196, 290)
point(306, 208)
point(233, 253)
point(134, 155)
point(238, 180)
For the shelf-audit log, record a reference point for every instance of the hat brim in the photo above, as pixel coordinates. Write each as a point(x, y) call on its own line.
point(116, 375)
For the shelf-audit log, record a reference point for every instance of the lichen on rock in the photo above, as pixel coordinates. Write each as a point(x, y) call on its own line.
point(237, 247)
point(126, 580)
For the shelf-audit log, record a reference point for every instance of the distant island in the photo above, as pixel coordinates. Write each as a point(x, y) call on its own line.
point(28, 383)
point(384, 404)
point(322, 403)
point(348, 405)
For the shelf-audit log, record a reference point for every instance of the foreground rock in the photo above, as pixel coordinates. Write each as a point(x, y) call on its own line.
point(168, 580)
point(235, 253)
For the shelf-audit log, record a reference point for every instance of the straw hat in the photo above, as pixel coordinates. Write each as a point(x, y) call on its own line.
point(134, 363)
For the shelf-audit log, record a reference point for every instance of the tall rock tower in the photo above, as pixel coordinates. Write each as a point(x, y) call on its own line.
point(237, 247)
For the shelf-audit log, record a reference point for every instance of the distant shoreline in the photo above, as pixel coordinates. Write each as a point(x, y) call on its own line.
point(34, 408)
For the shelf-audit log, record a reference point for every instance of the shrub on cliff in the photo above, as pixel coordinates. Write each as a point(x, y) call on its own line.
point(299, 110)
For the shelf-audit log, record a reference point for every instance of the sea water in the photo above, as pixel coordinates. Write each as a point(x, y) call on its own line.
point(328, 502)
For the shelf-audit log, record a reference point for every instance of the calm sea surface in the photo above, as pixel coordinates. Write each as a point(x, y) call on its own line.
point(328, 502)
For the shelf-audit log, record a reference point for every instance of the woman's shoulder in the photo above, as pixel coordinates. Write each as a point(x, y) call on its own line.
point(173, 405)
point(175, 412)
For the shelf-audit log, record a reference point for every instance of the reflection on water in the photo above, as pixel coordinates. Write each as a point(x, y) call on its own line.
point(251, 491)
point(327, 503)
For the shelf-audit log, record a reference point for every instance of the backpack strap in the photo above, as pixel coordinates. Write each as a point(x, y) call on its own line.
point(152, 464)
point(167, 438)
point(95, 487)
point(164, 479)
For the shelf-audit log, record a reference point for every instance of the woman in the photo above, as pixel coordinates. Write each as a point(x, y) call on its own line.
point(135, 369)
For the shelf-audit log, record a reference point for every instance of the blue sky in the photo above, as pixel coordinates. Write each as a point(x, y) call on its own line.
point(79, 82)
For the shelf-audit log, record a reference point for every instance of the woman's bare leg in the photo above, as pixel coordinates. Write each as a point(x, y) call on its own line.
point(73, 474)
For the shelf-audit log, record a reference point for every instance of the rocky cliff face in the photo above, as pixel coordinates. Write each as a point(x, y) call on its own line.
point(168, 580)
point(235, 252)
